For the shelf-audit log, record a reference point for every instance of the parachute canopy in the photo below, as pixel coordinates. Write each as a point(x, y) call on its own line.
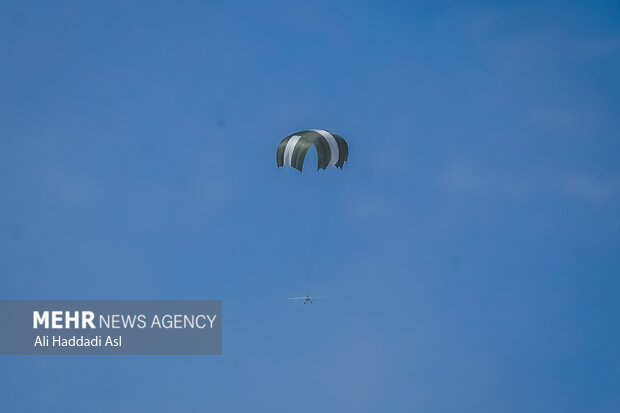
point(332, 149)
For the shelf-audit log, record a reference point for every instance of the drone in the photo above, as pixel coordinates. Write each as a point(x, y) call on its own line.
point(307, 299)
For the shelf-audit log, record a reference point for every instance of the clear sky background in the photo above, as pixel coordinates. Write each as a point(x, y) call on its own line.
point(470, 249)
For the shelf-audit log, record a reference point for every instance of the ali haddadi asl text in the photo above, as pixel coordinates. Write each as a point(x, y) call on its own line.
point(78, 341)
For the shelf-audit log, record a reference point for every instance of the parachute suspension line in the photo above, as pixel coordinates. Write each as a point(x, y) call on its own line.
point(304, 255)
point(303, 236)
point(310, 207)
point(308, 238)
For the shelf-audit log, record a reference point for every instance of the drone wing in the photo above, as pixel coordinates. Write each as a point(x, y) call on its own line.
point(318, 298)
point(297, 298)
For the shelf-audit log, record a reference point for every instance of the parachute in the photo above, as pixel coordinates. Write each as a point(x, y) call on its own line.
point(309, 243)
point(332, 149)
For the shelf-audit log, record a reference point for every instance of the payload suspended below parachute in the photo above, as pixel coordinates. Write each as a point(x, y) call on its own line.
point(332, 149)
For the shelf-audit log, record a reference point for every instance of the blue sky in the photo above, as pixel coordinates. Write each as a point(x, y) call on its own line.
point(471, 260)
